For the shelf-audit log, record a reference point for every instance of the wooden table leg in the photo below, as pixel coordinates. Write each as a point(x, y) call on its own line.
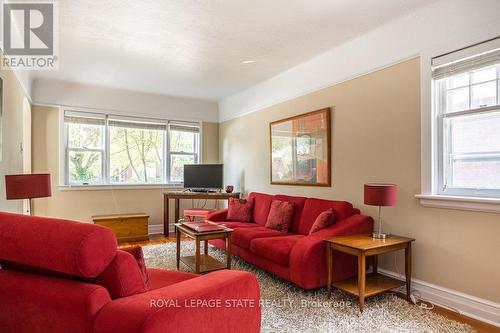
point(178, 242)
point(375, 263)
point(329, 263)
point(176, 216)
point(408, 270)
point(165, 216)
point(228, 251)
point(205, 247)
point(361, 279)
point(197, 256)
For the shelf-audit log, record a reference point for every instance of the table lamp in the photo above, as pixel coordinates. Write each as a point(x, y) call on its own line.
point(28, 186)
point(377, 194)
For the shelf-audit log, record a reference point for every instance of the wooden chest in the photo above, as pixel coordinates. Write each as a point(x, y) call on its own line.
point(127, 227)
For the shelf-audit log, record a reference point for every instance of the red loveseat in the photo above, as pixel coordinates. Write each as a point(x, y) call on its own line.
point(295, 256)
point(64, 276)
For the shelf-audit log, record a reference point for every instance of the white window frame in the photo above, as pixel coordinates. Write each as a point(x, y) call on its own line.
point(430, 195)
point(105, 165)
point(197, 149)
point(444, 162)
point(68, 149)
point(131, 120)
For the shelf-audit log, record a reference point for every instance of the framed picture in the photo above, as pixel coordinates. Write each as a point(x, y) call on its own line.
point(300, 149)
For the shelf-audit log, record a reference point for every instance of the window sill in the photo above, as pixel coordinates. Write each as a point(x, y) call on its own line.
point(166, 187)
point(489, 205)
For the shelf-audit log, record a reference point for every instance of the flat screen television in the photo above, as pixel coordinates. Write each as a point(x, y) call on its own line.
point(203, 177)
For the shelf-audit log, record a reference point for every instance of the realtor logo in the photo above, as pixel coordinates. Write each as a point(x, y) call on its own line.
point(29, 35)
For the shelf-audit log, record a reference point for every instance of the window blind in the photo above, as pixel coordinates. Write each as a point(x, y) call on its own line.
point(137, 125)
point(185, 128)
point(467, 59)
point(75, 117)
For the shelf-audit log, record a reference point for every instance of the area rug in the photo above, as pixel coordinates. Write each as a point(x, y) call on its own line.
point(287, 308)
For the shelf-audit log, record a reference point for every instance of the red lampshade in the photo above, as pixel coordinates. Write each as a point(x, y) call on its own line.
point(380, 194)
point(27, 186)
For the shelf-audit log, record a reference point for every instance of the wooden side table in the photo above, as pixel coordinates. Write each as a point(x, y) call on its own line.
point(202, 263)
point(177, 196)
point(362, 246)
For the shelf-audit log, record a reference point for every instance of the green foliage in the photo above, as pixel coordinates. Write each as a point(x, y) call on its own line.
point(136, 154)
point(85, 166)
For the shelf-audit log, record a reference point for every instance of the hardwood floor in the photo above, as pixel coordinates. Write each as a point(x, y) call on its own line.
point(477, 325)
point(153, 240)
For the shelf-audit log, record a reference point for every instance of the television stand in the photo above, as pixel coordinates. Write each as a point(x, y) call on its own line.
point(178, 195)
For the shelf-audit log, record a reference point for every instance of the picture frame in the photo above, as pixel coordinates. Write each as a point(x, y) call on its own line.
point(300, 149)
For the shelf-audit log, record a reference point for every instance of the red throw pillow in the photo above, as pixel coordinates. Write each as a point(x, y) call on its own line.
point(240, 209)
point(324, 220)
point(122, 277)
point(280, 215)
point(136, 251)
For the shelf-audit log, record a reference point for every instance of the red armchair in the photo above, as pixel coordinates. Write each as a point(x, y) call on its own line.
point(64, 276)
point(295, 256)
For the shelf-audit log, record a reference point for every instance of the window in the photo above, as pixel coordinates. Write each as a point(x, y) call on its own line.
point(136, 152)
point(85, 147)
point(184, 147)
point(107, 149)
point(466, 100)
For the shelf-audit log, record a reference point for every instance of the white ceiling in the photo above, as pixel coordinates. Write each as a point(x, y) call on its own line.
point(195, 48)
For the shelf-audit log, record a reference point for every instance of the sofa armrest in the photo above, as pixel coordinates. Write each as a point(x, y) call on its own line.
point(36, 303)
point(222, 301)
point(355, 224)
point(310, 251)
point(218, 216)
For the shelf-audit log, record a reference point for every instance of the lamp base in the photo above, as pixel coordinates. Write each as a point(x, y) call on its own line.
point(381, 236)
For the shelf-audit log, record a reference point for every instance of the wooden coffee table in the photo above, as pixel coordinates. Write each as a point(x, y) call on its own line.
point(364, 246)
point(202, 263)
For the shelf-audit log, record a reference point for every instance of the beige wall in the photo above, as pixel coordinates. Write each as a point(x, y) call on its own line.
point(122, 101)
point(14, 100)
point(376, 137)
point(210, 143)
point(82, 204)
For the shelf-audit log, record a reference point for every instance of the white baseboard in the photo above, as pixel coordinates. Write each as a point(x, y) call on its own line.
point(467, 305)
point(154, 229)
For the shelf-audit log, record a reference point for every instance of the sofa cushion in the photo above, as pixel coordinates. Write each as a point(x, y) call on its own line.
point(78, 249)
point(122, 277)
point(261, 206)
point(324, 220)
point(136, 251)
point(297, 211)
point(243, 236)
point(240, 209)
point(276, 249)
point(314, 207)
point(280, 215)
point(159, 278)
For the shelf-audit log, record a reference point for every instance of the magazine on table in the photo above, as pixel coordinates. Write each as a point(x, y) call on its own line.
point(204, 226)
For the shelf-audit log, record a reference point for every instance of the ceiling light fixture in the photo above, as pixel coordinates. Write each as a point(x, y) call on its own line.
point(248, 61)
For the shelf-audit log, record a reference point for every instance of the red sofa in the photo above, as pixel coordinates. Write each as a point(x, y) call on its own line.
point(64, 276)
point(295, 256)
